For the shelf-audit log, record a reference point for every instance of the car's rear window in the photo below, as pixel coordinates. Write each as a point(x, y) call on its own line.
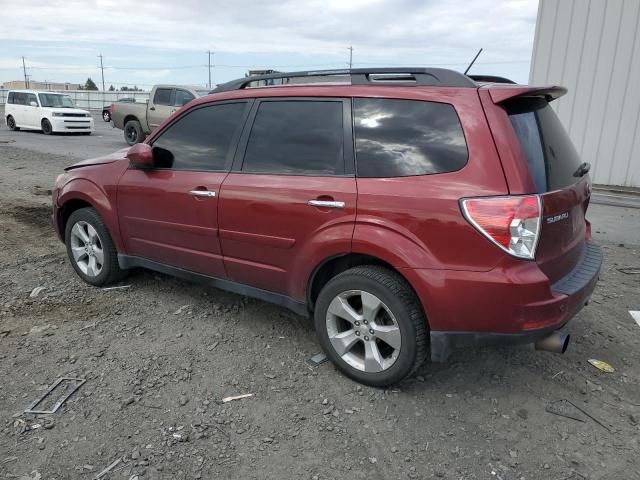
point(553, 160)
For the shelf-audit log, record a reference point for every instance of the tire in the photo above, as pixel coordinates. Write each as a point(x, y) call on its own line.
point(106, 116)
point(133, 132)
point(90, 238)
point(11, 123)
point(399, 320)
point(47, 129)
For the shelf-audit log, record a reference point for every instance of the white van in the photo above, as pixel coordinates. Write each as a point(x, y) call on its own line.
point(46, 111)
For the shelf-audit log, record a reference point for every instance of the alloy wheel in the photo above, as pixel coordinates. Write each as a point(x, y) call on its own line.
point(363, 331)
point(86, 248)
point(132, 135)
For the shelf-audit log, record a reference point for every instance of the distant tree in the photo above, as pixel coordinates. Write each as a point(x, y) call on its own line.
point(111, 89)
point(124, 89)
point(90, 85)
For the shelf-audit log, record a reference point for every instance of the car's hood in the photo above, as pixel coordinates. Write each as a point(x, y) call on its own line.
point(65, 110)
point(114, 157)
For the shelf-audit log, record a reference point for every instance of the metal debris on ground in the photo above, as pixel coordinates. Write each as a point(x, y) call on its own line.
point(36, 291)
point(602, 366)
point(118, 287)
point(635, 314)
point(630, 270)
point(317, 360)
point(237, 397)
point(113, 465)
point(556, 408)
point(71, 385)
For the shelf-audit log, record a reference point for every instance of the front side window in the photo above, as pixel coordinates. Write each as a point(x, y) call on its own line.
point(55, 101)
point(399, 138)
point(296, 138)
point(199, 140)
point(162, 96)
point(182, 98)
point(31, 98)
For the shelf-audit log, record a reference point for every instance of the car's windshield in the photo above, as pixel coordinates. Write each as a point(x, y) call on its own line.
point(55, 100)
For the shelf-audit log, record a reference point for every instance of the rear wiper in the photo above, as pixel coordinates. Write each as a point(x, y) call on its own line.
point(582, 170)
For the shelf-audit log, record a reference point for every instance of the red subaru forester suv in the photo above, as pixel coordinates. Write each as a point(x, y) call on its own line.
point(408, 211)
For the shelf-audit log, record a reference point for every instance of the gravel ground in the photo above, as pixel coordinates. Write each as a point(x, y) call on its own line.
point(159, 356)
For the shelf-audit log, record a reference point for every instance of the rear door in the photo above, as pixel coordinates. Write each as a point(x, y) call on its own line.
point(19, 110)
point(560, 177)
point(160, 106)
point(291, 193)
point(169, 214)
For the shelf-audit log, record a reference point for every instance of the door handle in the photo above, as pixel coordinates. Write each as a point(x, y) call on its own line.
point(152, 108)
point(202, 193)
point(325, 203)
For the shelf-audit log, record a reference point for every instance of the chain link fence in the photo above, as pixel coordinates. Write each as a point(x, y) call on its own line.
point(91, 99)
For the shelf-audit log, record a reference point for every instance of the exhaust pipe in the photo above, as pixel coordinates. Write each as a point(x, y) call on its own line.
point(556, 342)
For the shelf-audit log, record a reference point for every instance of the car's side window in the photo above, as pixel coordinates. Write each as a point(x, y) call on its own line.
point(20, 98)
point(182, 98)
point(162, 96)
point(398, 138)
point(31, 97)
point(200, 139)
point(296, 137)
point(11, 97)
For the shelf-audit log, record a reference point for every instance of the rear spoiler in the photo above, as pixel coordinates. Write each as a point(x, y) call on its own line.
point(502, 93)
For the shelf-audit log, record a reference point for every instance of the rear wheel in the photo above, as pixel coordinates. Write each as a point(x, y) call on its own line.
point(106, 116)
point(90, 248)
point(47, 129)
point(371, 325)
point(133, 132)
point(11, 123)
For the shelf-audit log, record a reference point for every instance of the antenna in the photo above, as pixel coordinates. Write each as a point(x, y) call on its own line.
point(473, 61)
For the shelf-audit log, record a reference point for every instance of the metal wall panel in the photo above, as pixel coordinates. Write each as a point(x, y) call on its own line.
point(592, 47)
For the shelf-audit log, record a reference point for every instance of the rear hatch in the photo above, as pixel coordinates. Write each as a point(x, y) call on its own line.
point(561, 179)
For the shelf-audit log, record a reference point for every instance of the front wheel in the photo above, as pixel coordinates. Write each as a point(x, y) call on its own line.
point(90, 248)
point(47, 129)
point(11, 123)
point(370, 324)
point(106, 116)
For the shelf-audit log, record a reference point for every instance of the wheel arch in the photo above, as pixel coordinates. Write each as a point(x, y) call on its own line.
point(332, 266)
point(81, 193)
point(129, 118)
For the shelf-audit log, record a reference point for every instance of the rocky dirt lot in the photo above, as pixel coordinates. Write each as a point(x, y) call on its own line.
point(159, 356)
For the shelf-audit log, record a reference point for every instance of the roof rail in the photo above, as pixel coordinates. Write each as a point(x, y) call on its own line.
point(490, 79)
point(439, 77)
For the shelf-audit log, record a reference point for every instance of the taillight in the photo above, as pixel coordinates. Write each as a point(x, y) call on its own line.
point(512, 223)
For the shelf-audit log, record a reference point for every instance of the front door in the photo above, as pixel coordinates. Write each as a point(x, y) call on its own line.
point(292, 192)
point(160, 106)
point(169, 214)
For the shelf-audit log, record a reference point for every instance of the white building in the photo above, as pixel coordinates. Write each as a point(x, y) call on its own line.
point(592, 47)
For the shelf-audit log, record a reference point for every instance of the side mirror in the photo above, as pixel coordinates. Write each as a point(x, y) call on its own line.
point(140, 156)
point(33, 104)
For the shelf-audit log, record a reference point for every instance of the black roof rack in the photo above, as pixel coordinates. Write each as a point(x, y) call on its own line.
point(439, 77)
point(490, 79)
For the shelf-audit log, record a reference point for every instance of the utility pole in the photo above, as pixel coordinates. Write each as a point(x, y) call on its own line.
point(102, 70)
point(24, 69)
point(211, 55)
point(350, 56)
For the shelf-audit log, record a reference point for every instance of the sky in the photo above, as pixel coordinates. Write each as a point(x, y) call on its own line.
point(166, 41)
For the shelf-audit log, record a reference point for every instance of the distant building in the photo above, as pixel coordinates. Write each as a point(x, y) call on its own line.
point(37, 85)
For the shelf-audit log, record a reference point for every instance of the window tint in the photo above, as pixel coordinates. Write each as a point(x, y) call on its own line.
point(296, 138)
point(200, 140)
point(182, 98)
point(31, 97)
point(552, 158)
point(20, 98)
point(10, 97)
point(397, 138)
point(162, 96)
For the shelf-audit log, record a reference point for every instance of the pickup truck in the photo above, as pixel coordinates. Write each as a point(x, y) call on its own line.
point(139, 119)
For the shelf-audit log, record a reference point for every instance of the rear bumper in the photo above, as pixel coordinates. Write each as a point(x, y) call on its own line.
point(513, 303)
